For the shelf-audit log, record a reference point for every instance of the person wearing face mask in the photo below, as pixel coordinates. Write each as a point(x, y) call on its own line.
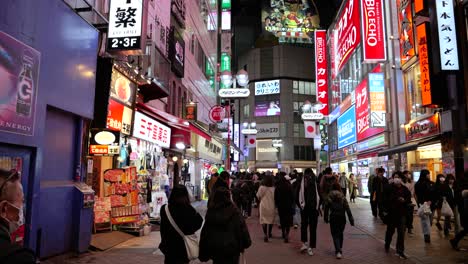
point(396, 202)
point(11, 218)
point(438, 191)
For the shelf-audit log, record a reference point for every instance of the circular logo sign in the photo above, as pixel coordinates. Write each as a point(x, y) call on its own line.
point(310, 129)
point(217, 113)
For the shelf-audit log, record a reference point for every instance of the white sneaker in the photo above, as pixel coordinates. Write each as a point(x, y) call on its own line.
point(310, 252)
point(339, 256)
point(304, 247)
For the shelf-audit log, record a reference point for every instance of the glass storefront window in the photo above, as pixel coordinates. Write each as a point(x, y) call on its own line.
point(413, 92)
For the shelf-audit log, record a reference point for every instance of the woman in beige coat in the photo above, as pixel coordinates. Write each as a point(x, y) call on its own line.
point(266, 196)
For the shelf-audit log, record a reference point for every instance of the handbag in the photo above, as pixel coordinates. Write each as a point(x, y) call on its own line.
point(191, 241)
point(446, 210)
point(243, 261)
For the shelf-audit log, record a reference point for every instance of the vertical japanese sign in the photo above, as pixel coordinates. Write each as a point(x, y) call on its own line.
point(373, 28)
point(405, 27)
point(321, 69)
point(425, 79)
point(225, 62)
point(347, 34)
point(191, 112)
point(447, 35)
point(377, 100)
point(19, 74)
point(125, 25)
point(119, 117)
point(362, 109)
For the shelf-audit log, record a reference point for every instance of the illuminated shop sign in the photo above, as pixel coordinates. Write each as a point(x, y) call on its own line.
point(267, 87)
point(125, 25)
point(424, 63)
point(226, 20)
point(447, 35)
point(321, 69)
point(267, 108)
point(347, 34)
point(347, 128)
point(377, 100)
point(151, 130)
point(423, 128)
point(119, 117)
point(268, 130)
point(373, 29)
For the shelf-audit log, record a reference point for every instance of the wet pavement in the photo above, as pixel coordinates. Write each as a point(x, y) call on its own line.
point(363, 244)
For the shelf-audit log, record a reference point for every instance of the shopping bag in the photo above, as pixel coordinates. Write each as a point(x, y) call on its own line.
point(446, 210)
point(243, 261)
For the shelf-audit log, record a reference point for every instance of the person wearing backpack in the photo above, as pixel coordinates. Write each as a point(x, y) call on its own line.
point(335, 210)
point(224, 236)
point(188, 221)
point(11, 218)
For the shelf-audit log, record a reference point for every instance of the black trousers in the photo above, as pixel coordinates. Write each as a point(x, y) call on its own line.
point(460, 235)
point(337, 228)
point(173, 260)
point(226, 260)
point(344, 191)
point(400, 225)
point(410, 217)
point(247, 207)
point(309, 219)
point(373, 205)
point(380, 206)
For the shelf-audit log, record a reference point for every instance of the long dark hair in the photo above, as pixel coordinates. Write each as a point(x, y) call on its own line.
point(424, 176)
point(221, 199)
point(268, 181)
point(179, 196)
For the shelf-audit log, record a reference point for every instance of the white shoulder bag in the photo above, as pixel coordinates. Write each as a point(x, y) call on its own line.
point(191, 241)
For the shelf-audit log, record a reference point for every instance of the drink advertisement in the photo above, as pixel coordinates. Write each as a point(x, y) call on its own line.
point(122, 89)
point(19, 74)
point(269, 108)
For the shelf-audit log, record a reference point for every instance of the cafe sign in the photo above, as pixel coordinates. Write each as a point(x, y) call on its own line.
point(423, 128)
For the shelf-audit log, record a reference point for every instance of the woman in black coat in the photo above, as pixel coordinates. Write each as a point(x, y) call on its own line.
point(284, 201)
point(225, 235)
point(186, 217)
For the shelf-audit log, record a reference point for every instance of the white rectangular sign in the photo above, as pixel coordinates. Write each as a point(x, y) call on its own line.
point(267, 87)
point(447, 35)
point(271, 130)
point(125, 24)
point(151, 130)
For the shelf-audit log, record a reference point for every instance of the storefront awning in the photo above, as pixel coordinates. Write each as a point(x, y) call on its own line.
point(167, 118)
point(199, 131)
point(410, 146)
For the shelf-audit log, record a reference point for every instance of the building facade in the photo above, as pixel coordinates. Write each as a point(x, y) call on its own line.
point(281, 80)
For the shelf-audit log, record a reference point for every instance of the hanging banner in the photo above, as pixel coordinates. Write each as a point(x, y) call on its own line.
point(19, 74)
point(447, 35)
point(347, 34)
point(321, 69)
point(191, 112)
point(425, 67)
point(405, 27)
point(373, 28)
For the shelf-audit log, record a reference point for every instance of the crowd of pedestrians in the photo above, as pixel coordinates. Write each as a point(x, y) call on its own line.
point(283, 199)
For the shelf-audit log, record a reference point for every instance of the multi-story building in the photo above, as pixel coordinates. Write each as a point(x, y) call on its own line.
point(386, 105)
point(281, 78)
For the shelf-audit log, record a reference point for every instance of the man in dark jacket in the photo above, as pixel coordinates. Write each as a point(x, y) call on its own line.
point(379, 185)
point(307, 198)
point(397, 201)
point(370, 187)
point(462, 203)
point(11, 217)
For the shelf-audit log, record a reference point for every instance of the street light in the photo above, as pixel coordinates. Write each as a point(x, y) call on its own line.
point(249, 128)
point(311, 111)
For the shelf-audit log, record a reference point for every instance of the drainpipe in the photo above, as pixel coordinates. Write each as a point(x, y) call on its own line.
point(79, 150)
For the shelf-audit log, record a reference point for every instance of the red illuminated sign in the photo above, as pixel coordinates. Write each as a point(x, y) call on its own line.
point(373, 28)
point(119, 117)
point(362, 108)
point(423, 128)
point(347, 34)
point(321, 69)
point(406, 29)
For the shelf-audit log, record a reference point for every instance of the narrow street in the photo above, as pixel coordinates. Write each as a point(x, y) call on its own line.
point(363, 244)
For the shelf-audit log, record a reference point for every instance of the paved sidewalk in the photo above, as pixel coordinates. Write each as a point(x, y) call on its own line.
point(363, 245)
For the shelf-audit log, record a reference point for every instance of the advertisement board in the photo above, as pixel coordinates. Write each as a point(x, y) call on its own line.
point(265, 150)
point(346, 34)
point(406, 29)
point(151, 130)
point(268, 108)
point(362, 109)
point(122, 89)
point(377, 100)
point(191, 111)
point(373, 29)
point(226, 20)
point(19, 74)
point(119, 117)
point(177, 52)
point(291, 21)
point(267, 87)
point(423, 128)
point(104, 142)
point(125, 25)
point(424, 63)
point(347, 128)
point(321, 69)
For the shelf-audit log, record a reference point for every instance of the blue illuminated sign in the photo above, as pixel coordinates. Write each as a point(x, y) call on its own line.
point(347, 128)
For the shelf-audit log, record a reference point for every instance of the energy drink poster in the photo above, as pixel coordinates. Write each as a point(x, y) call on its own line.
point(19, 74)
